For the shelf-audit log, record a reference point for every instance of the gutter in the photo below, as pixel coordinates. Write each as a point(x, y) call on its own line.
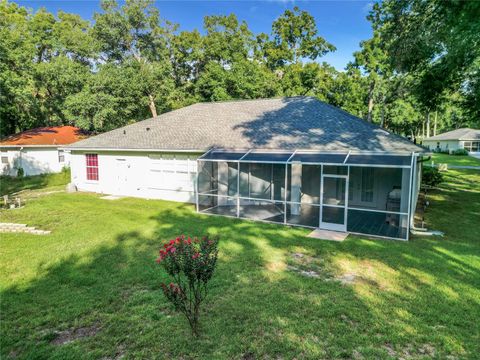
point(133, 150)
point(30, 146)
point(352, 152)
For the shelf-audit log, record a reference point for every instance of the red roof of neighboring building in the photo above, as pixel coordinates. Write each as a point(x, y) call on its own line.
point(55, 135)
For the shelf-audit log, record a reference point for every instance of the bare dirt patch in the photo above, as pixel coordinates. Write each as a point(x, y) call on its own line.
point(67, 336)
point(308, 266)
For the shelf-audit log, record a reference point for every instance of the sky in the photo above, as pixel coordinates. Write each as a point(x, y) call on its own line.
point(342, 23)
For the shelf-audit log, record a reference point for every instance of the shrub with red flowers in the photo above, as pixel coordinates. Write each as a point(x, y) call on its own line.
point(191, 263)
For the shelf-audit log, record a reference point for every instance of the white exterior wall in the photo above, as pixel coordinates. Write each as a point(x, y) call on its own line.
point(445, 145)
point(165, 176)
point(34, 160)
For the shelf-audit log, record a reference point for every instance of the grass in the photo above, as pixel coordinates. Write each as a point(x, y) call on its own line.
point(457, 160)
point(94, 281)
point(9, 185)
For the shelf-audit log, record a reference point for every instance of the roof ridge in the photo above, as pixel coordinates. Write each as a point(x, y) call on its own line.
point(257, 99)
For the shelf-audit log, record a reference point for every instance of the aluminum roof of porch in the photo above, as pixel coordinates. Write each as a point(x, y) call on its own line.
point(310, 157)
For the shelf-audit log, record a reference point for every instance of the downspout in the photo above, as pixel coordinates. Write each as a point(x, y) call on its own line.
point(422, 231)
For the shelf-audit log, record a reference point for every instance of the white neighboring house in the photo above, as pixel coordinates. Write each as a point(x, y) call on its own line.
point(465, 138)
point(38, 151)
point(295, 161)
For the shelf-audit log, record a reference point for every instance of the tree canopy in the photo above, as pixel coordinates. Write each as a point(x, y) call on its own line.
point(418, 74)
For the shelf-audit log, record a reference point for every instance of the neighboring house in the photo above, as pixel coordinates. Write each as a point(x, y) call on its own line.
point(465, 138)
point(294, 161)
point(37, 151)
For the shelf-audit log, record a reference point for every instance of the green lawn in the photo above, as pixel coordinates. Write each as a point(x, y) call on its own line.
point(459, 160)
point(10, 184)
point(94, 280)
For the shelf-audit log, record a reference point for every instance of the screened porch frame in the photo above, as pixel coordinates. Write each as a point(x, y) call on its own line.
point(243, 159)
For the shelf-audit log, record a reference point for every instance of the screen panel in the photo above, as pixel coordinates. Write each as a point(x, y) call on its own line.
point(389, 160)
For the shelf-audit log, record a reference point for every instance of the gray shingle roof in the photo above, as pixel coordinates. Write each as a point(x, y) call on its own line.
point(281, 123)
point(458, 134)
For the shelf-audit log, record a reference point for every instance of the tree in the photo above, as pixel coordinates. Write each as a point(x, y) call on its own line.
point(295, 37)
point(436, 41)
point(191, 264)
point(227, 40)
point(17, 105)
point(373, 60)
point(349, 91)
point(111, 98)
point(133, 32)
point(44, 59)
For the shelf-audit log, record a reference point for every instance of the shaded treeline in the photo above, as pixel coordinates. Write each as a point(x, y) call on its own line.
point(417, 75)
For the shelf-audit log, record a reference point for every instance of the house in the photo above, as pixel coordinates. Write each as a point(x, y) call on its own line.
point(37, 151)
point(295, 161)
point(465, 138)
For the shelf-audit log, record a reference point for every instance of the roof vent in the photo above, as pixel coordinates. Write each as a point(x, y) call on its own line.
point(124, 132)
point(148, 129)
point(381, 131)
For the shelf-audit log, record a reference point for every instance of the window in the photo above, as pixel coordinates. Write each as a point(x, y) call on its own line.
point(92, 166)
point(172, 172)
point(4, 157)
point(61, 156)
point(471, 146)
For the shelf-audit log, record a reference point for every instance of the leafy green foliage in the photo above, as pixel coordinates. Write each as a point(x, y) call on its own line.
point(431, 176)
point(437, 43)
point(460, 152)
point(191, 263)
point(416, 76)
point(295, 37)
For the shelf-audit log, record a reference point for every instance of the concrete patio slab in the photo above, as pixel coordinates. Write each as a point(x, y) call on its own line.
point(328, 235)
point(111, 197)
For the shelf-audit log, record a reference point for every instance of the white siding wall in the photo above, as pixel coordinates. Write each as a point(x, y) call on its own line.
point(148, 175)
point(445, 145)
point(33, 160)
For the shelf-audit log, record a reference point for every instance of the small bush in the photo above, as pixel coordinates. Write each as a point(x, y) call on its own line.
point(460, 152)
point(191, 263)
point(431, 176)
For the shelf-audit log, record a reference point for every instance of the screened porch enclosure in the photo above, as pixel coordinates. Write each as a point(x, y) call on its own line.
point(359, 193)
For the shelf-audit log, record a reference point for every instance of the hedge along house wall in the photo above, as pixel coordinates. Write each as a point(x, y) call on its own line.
point(368, 194)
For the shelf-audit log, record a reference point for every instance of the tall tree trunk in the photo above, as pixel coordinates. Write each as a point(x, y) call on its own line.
point(382, 116)
point(423, 130)
point(428, 124)
point(152, 106)
point(370, 101)
point(435, 124)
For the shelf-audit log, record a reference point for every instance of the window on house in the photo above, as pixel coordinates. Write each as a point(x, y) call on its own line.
point(172, 172)
point(92, 166)
point(471, 146)
point(4, 157)
point(61, 156)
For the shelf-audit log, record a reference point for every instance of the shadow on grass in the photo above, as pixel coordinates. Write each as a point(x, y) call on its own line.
point(9, 184)
point(409, 299)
